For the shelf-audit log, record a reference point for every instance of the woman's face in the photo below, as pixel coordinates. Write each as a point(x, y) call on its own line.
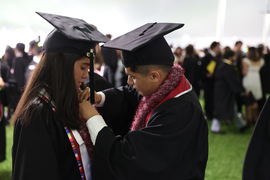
point(81, 70)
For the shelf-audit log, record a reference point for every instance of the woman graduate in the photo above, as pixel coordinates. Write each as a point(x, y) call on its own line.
point(168, 138)
point(51, 141)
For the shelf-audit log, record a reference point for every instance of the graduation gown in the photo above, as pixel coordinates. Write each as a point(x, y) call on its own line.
point(173, 145)
point(42, 149)
point(4, 102)
point(208, 87)
point(192, 72)
point(257, 160)
point(227, 85)
point(100, 82)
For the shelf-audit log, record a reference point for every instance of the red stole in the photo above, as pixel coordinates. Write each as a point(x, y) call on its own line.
point(182, 88)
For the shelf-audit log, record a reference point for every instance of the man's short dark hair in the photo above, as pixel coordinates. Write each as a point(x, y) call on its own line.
point(238, 42)
point(214, 44)
point(145, 69)
point(229, 54)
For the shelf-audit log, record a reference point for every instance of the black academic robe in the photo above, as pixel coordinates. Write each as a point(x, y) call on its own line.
point(193, 72)
point(208, 87)
point(42, 149)
point(100, 82)
point(4, 102)
point(20, 66)
point(257, 160)
point(126, 103)
point(227, 85)
point(174, 144)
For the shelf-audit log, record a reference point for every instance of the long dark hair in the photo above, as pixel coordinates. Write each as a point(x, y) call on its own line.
point(253, 54)
point(56, 72)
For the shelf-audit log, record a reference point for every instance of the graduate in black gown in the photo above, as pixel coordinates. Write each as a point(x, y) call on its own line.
point(51, 141)
point(226, 87)
point(208, 80)
point(4, 87)
point(168, 137)
point(257, 160)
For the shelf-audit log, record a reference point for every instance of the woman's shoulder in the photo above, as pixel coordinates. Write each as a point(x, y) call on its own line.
point(246, 60)
point(36, 109)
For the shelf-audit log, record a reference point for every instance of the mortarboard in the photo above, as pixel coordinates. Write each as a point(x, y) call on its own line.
point(72, 35)
point(145, 45)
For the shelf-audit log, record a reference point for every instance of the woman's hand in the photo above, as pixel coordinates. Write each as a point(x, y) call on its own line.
point(87, 110)
point(84, 94)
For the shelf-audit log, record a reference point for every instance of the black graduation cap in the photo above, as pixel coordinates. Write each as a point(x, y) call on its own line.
point(72, 35)
point(145, 45)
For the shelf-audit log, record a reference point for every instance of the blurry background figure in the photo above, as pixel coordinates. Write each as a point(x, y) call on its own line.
point(17, 75)
point(178, 56)
point(33, 48)
point(239, 59)
point(120, 74)
point(31, 66)
point(225, 87)
point(111, 61)
point(99, 62)
point(265, 72)
point(252, 81)
point(9, 56)
point(264, 75)
point(191, 65)
point(212, 57)
point(4, 74)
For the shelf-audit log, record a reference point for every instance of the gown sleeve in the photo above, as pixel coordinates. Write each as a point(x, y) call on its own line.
point(119, 108)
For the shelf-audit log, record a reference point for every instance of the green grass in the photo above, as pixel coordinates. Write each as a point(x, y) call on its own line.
point(6, 166)
point(225, 161)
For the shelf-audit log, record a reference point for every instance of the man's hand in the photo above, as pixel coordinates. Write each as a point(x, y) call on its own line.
point(2, 83)
point(87, 110)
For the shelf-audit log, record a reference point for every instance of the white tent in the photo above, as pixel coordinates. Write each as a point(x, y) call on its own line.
point(243, 20)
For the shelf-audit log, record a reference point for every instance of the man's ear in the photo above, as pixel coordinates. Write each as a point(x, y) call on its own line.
point(154, 75)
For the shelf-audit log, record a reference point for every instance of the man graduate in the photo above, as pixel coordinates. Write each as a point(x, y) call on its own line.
point(257, 160)
point(168, 137)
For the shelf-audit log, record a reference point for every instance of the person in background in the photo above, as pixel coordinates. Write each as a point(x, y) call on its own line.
point(256, 163)
point(110, 59)
point(192, 68)
point(9, 56)
point(265, 72)
point(33, 48)
point(120, 74)
point(168, 138)
point(227, 85)
point(239, 61)
point(178, 57)
point(4, 87)
point(50, 140)
point(209, 62)
point(17, 77)
point(252, 82)
point(32, 65)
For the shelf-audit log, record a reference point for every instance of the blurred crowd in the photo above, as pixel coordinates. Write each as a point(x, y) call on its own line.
point(246, 87)
point(201, 69)
point(252, 68)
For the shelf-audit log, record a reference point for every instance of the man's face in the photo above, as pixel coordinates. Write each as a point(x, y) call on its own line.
point(143, 85)
point(217, 49)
